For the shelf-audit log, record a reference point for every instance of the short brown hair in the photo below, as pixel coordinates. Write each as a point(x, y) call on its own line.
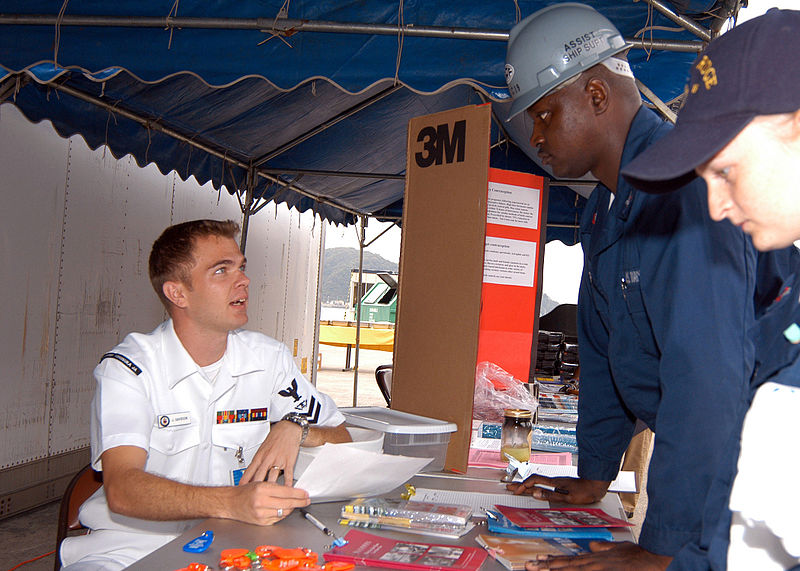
point(172, 257)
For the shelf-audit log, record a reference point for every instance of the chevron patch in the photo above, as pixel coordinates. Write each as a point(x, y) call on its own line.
point(314, 408)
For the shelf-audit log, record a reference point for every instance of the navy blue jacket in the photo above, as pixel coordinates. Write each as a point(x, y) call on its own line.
point(777, 360)
point(665, 305)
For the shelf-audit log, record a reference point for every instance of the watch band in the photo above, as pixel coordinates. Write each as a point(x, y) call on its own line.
point(300, 421)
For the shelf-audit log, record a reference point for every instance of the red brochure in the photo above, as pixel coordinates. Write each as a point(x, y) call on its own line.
point(375, 551)
point(560, 517)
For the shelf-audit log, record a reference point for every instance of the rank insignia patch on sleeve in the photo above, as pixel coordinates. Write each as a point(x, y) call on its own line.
point(124, 360)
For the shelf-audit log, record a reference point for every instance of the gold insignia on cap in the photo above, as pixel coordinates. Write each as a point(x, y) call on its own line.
point(706, 69)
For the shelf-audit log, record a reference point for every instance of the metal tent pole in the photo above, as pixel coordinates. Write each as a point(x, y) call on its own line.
point(288, 27)
point(683, 21)
point(656, 100)
point(318, 305)
point(247, 207)
point(361, 240)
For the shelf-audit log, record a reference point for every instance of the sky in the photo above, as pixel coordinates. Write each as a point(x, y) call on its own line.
point(387, 246)
point(758, 7)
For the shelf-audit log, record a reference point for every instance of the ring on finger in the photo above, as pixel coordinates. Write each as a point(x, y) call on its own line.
point(280, 512)
point(277, 468)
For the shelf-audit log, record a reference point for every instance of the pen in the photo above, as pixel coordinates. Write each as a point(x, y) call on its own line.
point(552, 489)
point(316, 523)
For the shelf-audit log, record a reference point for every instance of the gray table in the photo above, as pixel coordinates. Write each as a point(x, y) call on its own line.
point(295, 531)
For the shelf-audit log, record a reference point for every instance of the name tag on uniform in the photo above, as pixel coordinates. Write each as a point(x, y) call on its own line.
point(174, 419)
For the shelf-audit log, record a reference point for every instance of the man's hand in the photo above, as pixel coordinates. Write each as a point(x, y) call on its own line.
point(277, 452)
point(579, 491)
point(264, 503)
point(605, 556)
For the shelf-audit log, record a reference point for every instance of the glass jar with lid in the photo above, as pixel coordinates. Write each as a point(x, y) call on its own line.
point(515, 438)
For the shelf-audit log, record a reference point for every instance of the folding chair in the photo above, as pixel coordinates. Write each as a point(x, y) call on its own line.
point(383, 376)
point(82, 485)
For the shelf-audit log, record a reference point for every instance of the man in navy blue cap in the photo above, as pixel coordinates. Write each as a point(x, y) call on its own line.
point(740, 131)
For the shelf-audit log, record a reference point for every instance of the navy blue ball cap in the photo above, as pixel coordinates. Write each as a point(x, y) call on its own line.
point(754, 69)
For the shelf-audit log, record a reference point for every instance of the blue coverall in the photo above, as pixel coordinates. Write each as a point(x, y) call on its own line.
point(665, 305)
point(777, 360)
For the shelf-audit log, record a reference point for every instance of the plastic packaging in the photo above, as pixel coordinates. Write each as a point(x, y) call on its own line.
point(554, 438)
point(497, 390)
point(427, 512)
point(410, 516)
point(555, 405)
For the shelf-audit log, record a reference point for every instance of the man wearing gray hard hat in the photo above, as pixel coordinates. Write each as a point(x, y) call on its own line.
point(666, 298)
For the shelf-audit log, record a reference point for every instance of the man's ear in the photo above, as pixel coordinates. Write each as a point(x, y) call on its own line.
point(597, 89)
point(175, 292)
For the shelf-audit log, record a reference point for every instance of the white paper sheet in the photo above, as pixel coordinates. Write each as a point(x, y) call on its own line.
point(512, 205)
point(625, 482)
point(478, 501)
point(340, 472)
point(509, 262)
point(485, 443)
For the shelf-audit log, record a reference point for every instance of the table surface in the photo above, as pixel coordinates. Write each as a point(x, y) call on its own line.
point(295, 531)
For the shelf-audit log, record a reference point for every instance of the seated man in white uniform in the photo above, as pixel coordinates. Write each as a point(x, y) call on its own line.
point(198, 418)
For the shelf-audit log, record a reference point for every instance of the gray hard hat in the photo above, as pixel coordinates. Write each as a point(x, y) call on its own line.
point(553, 45)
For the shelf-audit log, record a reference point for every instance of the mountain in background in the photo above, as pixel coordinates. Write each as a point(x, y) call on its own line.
point(336, 270)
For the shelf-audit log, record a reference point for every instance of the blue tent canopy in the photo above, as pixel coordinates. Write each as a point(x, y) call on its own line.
point(304, 102)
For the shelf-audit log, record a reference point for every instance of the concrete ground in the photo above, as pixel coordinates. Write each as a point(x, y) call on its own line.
point(31, 534)
point(333, 380)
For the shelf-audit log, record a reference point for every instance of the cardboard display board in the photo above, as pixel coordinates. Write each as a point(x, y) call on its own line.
point(512, 267)
point(470, 266)
point(441, 269)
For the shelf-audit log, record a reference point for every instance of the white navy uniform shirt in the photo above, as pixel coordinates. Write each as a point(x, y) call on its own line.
point(764, 531)
point(151, 394)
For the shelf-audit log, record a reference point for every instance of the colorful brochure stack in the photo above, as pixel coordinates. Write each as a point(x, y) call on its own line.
point(500, 524)
point(543, 531)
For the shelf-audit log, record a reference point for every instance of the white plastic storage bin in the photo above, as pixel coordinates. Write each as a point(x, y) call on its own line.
point(405, 434)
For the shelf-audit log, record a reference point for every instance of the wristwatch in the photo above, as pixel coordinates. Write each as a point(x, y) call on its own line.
point(300, 421)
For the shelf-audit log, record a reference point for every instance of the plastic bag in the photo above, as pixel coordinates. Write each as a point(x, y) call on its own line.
point(496, 390)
